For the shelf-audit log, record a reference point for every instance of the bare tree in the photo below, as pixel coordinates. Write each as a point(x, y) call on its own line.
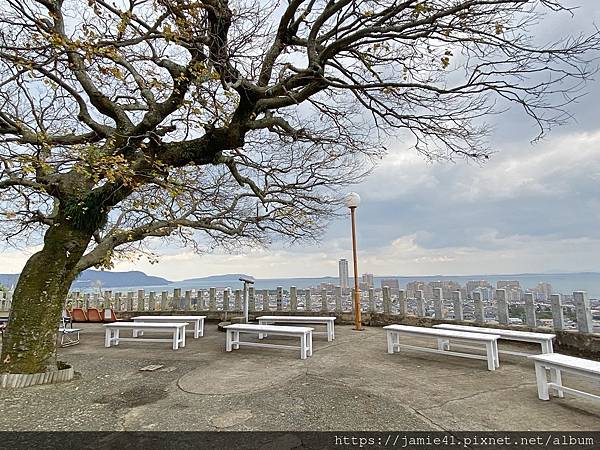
point(217, 122)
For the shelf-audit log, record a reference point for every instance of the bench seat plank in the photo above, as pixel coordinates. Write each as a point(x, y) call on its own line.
point(300, 319)
point(505, 334)
point(267, 328)
point(544, 339)
point(442, 333)
point(571, 362)
point(148, 325)
point(328, 321)
point(198, 322)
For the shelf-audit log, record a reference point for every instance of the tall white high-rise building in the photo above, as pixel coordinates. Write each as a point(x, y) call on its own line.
point(367, 278)
point(343, 273)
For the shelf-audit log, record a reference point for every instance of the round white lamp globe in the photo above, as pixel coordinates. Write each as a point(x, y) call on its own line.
point(352, 200)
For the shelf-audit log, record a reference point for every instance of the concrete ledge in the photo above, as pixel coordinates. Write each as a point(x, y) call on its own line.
point(576, 343)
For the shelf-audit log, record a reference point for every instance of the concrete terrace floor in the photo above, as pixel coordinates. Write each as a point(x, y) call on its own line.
point(349, 384)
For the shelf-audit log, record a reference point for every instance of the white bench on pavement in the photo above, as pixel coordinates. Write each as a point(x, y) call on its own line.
point(307, 320)
point(233, 340)
point(488, 341)
point(112, 335)
point(198, 322)
point(558, 363)
point(544, 339)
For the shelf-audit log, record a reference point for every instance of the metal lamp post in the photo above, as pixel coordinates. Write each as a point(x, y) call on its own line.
point(352, 202)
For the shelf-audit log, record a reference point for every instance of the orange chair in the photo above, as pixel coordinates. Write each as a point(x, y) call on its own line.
point(94, 315)
point(78, 315)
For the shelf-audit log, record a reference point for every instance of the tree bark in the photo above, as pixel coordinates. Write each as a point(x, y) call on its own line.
point(29, 346)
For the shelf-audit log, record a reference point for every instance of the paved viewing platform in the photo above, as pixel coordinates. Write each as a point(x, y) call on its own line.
point(351, 383)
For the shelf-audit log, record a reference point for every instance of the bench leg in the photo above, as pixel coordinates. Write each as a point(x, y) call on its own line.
point(547, 347)
point(542, 383)
point(330, 332)
point(496, 353)
point(556, 378)
point(107, 337)
point(303, 347)
point(309, 343)
point(491, 356)
point(176, 339)
point(196, 329)
point(390, 341)
point(116, 336)
point(261, 335)
point(396, 342)
point(228, 334)
point(136, 333)
point(236, 340)
point(201, 327)
point(443, 344)
point(182, 333)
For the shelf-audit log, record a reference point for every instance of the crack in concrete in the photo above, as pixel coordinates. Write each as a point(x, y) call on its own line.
point(401, 405)
point(234, 394)
point(304, 372)
point(476, 394)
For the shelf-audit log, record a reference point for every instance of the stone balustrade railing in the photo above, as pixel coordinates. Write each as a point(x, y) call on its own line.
point(576, 314)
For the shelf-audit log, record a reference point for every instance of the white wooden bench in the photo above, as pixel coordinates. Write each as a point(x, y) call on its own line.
point(177, 328)
point(304, 333)
point(544, 339)
point(557, 363)
point(322, 320)
point(489, 342)
point(198, 322)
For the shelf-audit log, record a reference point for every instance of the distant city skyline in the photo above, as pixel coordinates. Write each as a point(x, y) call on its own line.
point(483, 283)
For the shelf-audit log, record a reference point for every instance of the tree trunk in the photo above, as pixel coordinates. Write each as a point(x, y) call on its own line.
point(29, 346)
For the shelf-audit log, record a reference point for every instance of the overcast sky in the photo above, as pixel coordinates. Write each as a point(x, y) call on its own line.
point(531, 208)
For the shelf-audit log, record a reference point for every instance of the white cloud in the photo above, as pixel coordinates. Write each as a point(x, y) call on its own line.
point(512, 254)
point(260, 264)
point(516, 170)
point(545, 169)
point(12, 261)
point(399, 173)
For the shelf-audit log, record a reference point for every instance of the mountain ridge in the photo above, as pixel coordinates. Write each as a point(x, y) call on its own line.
point(90, 279)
